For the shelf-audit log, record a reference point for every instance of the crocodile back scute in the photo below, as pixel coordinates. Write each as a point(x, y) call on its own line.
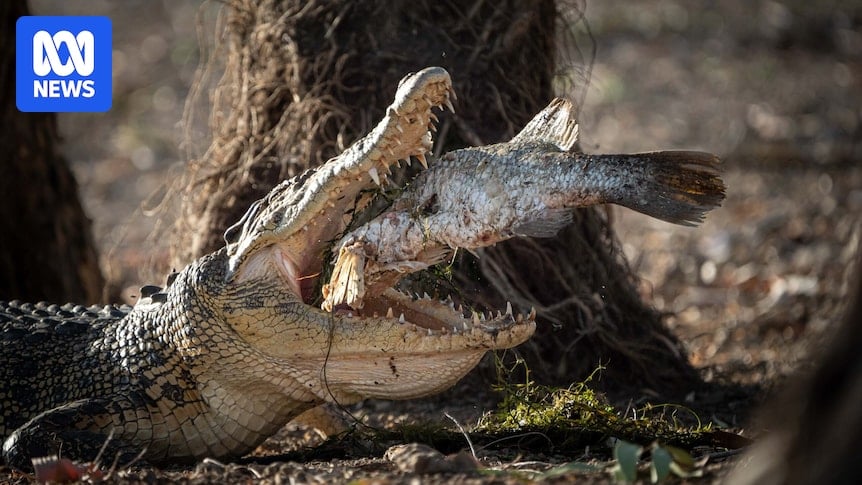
point(41, 318)
point(46, 355)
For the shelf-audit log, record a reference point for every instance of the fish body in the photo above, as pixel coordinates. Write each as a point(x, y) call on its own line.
point(476, 197)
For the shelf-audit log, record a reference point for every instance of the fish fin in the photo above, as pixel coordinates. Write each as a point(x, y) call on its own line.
point(677, 186)
point(557, 124)
point(547, 224)
point(432, 256)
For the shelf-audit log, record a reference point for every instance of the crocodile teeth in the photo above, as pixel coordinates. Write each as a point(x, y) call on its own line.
point(374, 175)
point(401, 319)
point(390, 313)
point(427, 141)
point(399, 128)
point(476, 318)
point(433, 117)
point(532, 313)
point(421, 158)
point(449, 103)
point(430, 332)
point(508, 308)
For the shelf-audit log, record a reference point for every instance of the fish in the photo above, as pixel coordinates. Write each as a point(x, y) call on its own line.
point(527, 187)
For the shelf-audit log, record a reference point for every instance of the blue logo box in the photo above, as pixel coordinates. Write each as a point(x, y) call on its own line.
point(63, 64)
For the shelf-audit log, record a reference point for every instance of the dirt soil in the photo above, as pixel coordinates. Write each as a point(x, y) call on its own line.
point(774, 88)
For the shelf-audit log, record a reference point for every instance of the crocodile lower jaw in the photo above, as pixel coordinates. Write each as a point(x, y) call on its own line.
point(438, 317)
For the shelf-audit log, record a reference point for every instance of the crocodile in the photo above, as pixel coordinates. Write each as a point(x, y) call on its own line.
point(235, 344)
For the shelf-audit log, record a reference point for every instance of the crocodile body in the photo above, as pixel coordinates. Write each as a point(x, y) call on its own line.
point(235, 345)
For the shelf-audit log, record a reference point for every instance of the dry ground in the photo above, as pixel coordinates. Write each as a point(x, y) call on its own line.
point(772, 87)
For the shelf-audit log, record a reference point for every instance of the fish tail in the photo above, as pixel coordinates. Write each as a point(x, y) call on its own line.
point(675, 186)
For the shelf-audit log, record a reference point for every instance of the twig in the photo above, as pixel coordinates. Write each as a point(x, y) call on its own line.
point(466, 436)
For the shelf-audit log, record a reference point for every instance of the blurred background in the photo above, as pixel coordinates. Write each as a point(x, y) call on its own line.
point(774, 88)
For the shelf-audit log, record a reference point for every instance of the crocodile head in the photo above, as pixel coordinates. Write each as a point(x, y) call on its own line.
point(396, 346)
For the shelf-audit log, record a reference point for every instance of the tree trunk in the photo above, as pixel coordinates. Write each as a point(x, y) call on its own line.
point(46, 246)
point(304, 79)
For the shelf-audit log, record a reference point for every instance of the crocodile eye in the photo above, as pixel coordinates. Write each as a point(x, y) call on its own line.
point(231, 235)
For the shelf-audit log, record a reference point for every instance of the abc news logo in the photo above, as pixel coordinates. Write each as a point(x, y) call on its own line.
point(63, 63)
point(46, 59)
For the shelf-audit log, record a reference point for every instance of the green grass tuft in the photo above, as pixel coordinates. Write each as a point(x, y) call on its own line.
point(578, 416)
